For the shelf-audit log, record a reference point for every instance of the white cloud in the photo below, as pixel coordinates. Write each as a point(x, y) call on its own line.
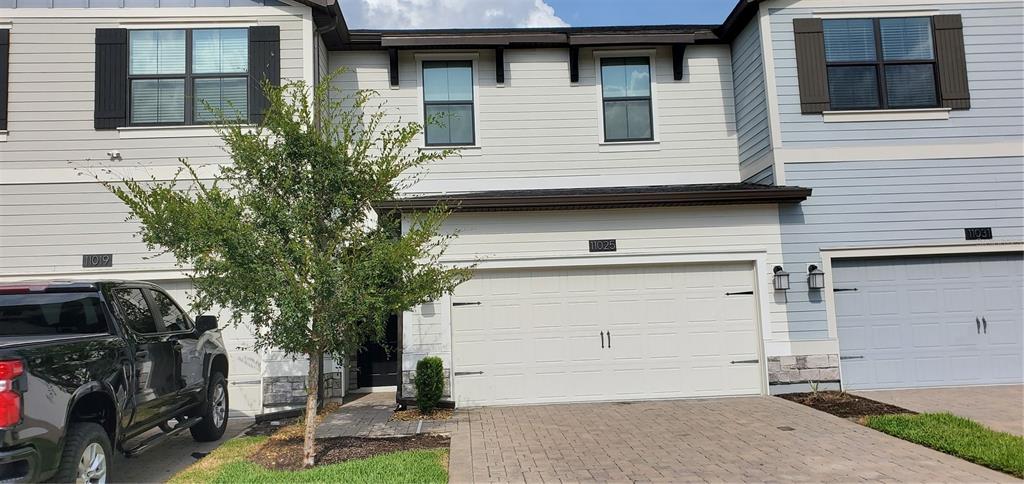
point(440, 14)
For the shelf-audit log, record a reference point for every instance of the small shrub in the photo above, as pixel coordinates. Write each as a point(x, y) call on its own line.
point(429, 382)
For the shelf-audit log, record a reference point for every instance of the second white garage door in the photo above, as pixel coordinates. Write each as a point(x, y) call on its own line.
point(605, 333)
point(244, 384)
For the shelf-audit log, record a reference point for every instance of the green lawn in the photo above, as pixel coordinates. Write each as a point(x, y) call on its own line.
point(957, 436)
point(228, 464)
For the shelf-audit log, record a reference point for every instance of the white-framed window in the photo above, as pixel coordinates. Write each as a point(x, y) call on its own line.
point(186, 76)
point(448, 102)
point(628, 96)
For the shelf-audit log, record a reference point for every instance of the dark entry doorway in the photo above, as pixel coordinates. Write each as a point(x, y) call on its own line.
point(378, 363)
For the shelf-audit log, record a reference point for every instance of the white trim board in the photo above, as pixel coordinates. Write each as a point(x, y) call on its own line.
point(141, 274)
point(827, 255)
point(876, 115)
point(901, 152)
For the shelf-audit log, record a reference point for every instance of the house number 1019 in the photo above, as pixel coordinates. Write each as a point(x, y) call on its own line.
point(603, 245)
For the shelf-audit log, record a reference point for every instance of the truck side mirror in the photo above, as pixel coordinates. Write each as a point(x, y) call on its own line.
point(206, 322)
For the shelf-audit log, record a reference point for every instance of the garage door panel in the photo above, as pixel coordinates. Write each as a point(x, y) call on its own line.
point(923, 313)
point(662, 323)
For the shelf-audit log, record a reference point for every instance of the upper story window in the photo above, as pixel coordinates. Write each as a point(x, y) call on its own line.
point(626, 95)
point(187, 76)
point(448, 103)
point(886, 63)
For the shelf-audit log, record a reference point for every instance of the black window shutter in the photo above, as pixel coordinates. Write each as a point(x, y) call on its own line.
point(810, 65)
point(952, 61)
point(264, 65)
point(111, 109)
point(5, 50)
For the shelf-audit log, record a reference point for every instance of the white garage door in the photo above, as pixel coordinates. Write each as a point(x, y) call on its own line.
point(605, 333)
point(930, 321)
point(244, 382)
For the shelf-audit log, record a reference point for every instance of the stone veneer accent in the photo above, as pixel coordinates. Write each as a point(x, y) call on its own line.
point(285, 392)
point(803, 369)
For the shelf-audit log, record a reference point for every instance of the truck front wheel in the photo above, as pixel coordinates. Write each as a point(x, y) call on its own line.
point(215, 411)
point(86, 456)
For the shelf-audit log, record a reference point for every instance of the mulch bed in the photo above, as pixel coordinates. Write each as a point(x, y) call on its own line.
point(287, 454)
point(415, 414)
point(845, 405)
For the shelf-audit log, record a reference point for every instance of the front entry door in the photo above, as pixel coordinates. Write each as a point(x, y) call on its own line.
point(378, 363)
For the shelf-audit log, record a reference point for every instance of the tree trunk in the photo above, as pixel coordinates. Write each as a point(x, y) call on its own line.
point(312, 387)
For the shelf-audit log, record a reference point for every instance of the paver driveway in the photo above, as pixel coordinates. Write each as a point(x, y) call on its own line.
point(999, 407)
point(734, 439)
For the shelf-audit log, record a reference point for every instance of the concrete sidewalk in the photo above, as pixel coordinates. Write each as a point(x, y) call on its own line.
point(367, 414)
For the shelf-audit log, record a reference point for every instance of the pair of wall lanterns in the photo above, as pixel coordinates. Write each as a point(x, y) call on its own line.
point(815, 278)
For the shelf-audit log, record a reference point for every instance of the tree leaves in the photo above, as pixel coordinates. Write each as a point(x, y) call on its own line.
point(286, 237)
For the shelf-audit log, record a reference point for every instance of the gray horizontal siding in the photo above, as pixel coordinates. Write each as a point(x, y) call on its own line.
point(764, 177)
point(753, 132)
point(994, 42)
point(881, 203)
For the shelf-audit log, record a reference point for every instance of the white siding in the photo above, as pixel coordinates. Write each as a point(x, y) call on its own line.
point(540, 236)
point(542, 131)
point(49, 216)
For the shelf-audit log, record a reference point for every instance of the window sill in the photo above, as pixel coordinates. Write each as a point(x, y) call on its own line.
point(3, 136)
point(464, 150)
point(886, 115)
point(142, 132)
point(624, 146)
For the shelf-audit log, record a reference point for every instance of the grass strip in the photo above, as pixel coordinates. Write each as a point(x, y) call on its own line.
point(230, 464)
point(957, 436)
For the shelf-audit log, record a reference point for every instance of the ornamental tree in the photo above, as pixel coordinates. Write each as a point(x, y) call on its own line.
point(286, 236)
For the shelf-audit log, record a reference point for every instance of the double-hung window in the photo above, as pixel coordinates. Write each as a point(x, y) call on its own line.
point(448, 102)
point(626, 95)
point(187, 76)
point(886, 63)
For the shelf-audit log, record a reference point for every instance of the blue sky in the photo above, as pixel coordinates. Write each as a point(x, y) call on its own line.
point(582, 13)
point(438, 14)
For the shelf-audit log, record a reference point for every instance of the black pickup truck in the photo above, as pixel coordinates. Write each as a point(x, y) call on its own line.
point(88, 368)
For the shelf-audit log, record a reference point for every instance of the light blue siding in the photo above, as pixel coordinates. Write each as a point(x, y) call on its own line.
point(753, 132)
point(994, 42)
point(884, 203)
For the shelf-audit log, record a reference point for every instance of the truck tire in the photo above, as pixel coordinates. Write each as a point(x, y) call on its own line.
point(87, 456)
point(215, 411)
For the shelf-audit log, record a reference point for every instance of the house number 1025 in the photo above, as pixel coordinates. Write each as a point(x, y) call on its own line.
point(603, 245)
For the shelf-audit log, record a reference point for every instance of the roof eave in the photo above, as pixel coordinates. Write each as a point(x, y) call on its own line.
point(483, 203)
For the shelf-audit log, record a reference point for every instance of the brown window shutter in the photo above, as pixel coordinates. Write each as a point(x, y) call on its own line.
point(810, 65)
point(5, 50)
point(952, 61)
point(264, 64)
point(111, 105)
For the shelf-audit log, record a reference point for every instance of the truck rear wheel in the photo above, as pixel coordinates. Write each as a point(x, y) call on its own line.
point(86, 456)
point(215, 411)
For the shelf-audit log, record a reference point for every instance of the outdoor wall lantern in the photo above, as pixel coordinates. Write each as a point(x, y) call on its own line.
point(781, 279)
point(815, 277)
